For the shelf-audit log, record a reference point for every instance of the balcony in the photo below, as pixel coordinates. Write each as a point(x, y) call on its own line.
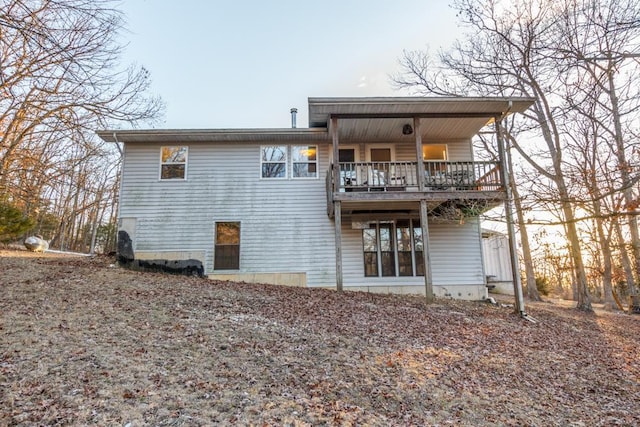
point(395, 186)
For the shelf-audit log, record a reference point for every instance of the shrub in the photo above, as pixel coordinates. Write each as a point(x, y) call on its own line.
point(12, 222)
point(543, 285)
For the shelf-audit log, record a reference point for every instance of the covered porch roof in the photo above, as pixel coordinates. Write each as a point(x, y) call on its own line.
point(384, 119)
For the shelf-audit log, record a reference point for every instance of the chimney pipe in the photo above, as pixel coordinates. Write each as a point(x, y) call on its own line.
point(294, 111)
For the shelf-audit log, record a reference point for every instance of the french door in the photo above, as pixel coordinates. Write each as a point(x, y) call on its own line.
point(393, 248)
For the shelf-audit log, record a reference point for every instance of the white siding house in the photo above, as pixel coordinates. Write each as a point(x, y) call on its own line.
point(378, 194)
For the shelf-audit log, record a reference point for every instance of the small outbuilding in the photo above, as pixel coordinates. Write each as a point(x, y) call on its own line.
point(497, 262)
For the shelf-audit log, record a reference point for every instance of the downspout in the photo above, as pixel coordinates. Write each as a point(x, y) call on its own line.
point(115, 138)
point(121, 151)
point(508, 203)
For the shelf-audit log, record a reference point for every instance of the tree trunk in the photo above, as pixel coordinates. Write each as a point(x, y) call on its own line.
point(607, 268)
point(551, 135)
point(532, 289)
point(625, 169)
point(624, 255)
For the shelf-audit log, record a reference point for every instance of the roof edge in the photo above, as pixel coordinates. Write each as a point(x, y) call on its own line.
point(413, 99)
point(119, 135)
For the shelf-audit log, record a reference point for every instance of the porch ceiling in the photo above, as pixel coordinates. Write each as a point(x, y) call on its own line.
point(390, 130)
point(383, 119)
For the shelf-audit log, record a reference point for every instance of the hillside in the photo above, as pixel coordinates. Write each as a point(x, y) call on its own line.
point(83, 342)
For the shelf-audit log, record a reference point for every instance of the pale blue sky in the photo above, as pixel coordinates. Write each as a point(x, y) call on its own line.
point(244, 64)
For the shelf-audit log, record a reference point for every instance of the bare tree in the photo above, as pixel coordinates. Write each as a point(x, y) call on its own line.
point(60, 80)
point(538, 48)
point(488, 147)
point(609, 87)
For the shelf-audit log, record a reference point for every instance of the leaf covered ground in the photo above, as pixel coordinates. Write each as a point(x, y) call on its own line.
point(82, 342)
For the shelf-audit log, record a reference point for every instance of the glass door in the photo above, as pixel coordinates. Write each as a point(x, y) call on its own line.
point(348, 167)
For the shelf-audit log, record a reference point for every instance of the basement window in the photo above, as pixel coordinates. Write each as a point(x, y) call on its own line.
point(173, 162)
point(227, 246)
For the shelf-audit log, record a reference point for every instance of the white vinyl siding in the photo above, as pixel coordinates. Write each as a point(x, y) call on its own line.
point(285, 227)
point(284, 222)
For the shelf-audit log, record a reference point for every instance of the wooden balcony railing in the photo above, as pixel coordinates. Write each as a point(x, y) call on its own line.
point(403, 176)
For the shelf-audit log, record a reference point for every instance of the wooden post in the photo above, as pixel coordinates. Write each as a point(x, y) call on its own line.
point(337, 218)
point(419, 159)
point(336, 154)
point(337, 205)
point(426, 252)
point(424, 213)
point(513, 250)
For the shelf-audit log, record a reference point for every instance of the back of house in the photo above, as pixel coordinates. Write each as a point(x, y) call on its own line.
point(377, 194)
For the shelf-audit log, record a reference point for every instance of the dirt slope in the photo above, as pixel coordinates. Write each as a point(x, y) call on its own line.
point(82, 342)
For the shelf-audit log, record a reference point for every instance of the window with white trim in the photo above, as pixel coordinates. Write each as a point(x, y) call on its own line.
point(273, 161)
point(304, 161)
point(173, 162)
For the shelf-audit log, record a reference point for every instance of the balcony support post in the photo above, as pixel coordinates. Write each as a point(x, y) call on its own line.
point(513, 249)
point(336, 154)
point(426, 252)
point(424, 214)
point(337, 205)
point(337, 218)
point(420, 166)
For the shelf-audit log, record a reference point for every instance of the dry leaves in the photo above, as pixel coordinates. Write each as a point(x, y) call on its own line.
point(83, 343)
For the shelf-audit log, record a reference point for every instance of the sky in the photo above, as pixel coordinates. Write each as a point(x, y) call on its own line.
point(221, 64)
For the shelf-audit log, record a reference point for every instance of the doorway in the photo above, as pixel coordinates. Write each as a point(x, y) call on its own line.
point(348, 158)
point(379, 169)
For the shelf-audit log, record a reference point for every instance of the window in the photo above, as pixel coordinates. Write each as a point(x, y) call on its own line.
point(380, 154)
point(273, 161)
point(434, 156)
point(418, 248)
point(434, 152)
point(393, 249)
point(387, 258)
point(403, 239)
point(370, 248)
point(173, 162)
point(227, 247)
point(304, 161)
